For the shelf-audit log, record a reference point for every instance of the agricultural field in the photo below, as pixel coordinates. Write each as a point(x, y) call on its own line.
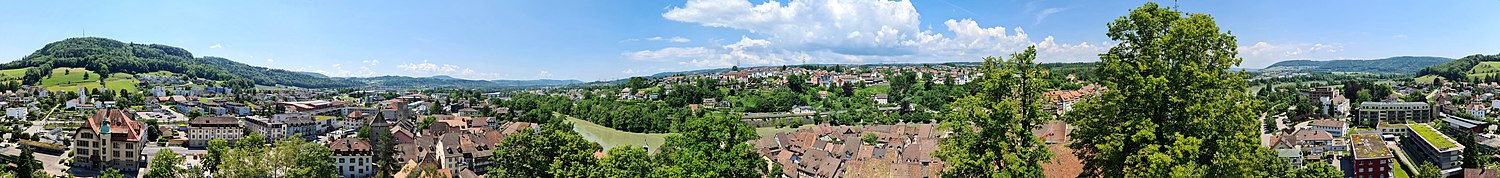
point(70, 79)
point(1484, 69)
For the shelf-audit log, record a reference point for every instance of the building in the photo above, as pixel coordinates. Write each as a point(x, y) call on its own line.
point(1430, 146)
point(1371, 114)
point(207, 128)
point(1333, 127)
point(109, 139)
point(1371, 157)
point(268, 128)
point(1465, 127)
point(353, 157)
point(1293, 156)
point(16, 113)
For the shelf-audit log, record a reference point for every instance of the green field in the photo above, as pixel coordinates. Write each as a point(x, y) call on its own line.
point(70, 79)
point(1485, 69)
point(12, 74)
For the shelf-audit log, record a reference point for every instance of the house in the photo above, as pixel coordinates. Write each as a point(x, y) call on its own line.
point(1293, 156)
point(353, 157)
point(16, 113)
point(109, 139)
point(1314, 141)
point(1333, 127)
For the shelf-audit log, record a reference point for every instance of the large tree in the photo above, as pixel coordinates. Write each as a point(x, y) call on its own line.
point(1428, 170)
point(626, 161)
point(712, 146)
point(992, 128)
point(1172, 107)
point(554, 151)
point(164, 164)
point(216, 149)
point(1318, 169)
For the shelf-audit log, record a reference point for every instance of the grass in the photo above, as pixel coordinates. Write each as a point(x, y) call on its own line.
point(1400, 172)
point(1432, 136)
point(1485, 69)
point(1426, 79)
point(70, 79)
point(13, 74)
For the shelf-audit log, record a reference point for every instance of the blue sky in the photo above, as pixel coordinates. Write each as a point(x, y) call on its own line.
point(605, 40)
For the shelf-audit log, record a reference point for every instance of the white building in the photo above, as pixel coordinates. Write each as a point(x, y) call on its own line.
point(1333, 127)
point(353, 157)
point(16, 113)
point(203, 129)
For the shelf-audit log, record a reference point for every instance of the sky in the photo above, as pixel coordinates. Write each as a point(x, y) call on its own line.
point(607, 40)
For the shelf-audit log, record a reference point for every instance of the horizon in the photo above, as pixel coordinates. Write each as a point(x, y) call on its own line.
point(605, 41)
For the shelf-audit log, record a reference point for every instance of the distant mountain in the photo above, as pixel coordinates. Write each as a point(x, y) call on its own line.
point(447, 81)
point(1401, 64)
point(110, 56)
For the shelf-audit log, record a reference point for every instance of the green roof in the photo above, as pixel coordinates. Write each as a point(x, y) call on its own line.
point(1366, 146)
point(1437, 140)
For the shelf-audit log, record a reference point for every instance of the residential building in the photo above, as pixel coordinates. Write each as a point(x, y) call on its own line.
point(1293, 156)
point(1371, 157)
point(203, 129)
point(1431, 146)
point(1371, 114)
point(16, 113)
point(1333, 127)
point(109, 139)
point(268, 128)
point(1465, 127)
point(353, 157)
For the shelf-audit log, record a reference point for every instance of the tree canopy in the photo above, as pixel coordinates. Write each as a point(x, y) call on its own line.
point(992, 128)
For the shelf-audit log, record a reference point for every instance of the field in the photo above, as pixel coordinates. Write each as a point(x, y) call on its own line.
point(12, 74)
point(1426, 79)
point(1485, 69)
point(70, 79)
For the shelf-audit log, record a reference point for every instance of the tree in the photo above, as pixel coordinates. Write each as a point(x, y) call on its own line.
point(29, 164)
point(555, 151)
point(626, 161)
point(164, 164)
point(870, 139)
point(216, 150)
point(1318, 169)
point(153, 130)
point(384, 146)
point(1428, 170)
point(111, 173)
point(252, 141)
point(796, 83)
point(1173, 108)
point(712, 146)
point(307, 159)
point(992, 128)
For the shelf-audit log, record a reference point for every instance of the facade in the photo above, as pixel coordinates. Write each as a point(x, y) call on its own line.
point(353, 157)
point(16, 113)
point(1371, 157)
point(271, 129)
point(109, 139)
point(207, 128)
point(1293, 156)
point(1371, 114)
point(1431, 146)
point(1333, 127)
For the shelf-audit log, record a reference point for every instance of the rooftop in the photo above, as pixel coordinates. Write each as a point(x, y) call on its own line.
point(1437, 140)
point(1369, 146)
point(1368, 104)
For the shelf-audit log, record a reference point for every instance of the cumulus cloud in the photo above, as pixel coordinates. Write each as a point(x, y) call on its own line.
point(216, 46)
point(270, 60)
point(427, 68)
point(1263, 53)
point(544, 74)
point(858, 31)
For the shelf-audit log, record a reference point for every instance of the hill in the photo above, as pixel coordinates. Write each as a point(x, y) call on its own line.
point(1468, 68)
point(1400, 64)
point(107, 56)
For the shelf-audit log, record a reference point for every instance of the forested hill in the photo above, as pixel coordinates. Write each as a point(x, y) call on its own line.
point(1401, 64)
point(109, 56)
point(1465, 68)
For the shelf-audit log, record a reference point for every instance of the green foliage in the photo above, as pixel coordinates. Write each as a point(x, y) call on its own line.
point(1173, 109)
point(993, 126)
point(111, 173)
point(216, 150)
point(1428, 170)
point(28, 164)
point(870, 139)
point(631, 116)
point(1318, 169)
point(164, 164)
point(626, 161)
point(291, 157)
point(713, 146)
point(252, 141)
point(1399, 64)
point(426, 123)
point(556, 151)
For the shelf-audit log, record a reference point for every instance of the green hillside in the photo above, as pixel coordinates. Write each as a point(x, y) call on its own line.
point(110, 56)
point(1468, 68)
point(70, 79)
point(1400, 64)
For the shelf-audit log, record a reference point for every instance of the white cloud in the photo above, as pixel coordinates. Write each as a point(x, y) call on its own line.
point(544, 74)
point(216, 46)
point(427, 68)
point(838, 31)
point(675, 39)
point(628, 72)
point(270, 60)
point(371, 62)
point(1262, 53)
point(1046, 13)
point(1398, 36)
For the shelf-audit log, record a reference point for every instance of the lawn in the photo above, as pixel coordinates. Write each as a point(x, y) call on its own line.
point(1432, 136)
point(12, 74)
point(1485, 69)
point(1400, 169)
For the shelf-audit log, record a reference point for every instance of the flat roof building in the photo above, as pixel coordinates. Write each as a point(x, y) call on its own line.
point(1371, 114)
point(1371, 157)
point(1433, 147)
